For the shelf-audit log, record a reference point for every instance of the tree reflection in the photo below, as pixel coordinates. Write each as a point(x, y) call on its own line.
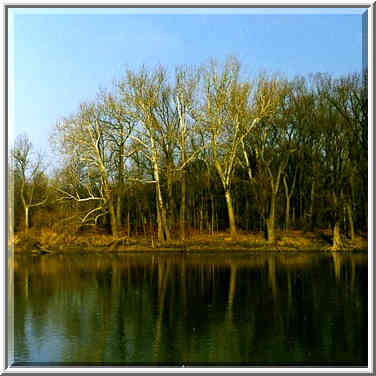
point(272, 276)
point(231, 292)
point(163, 275)
point(199, 309)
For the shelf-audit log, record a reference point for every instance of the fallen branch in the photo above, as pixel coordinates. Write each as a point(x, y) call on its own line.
point(115, 243)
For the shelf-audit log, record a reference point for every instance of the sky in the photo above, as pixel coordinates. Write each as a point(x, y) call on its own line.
point(59, 58)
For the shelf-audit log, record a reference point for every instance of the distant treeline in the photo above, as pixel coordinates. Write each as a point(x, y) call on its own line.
point(204, 149)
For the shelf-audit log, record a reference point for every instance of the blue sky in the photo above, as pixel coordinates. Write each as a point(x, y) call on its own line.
point(59, 58)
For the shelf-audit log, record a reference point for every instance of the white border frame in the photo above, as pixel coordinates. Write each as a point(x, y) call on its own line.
point(290, 370)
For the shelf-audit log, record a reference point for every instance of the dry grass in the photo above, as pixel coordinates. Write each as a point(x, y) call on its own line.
point(293, 240)
point(298, 239)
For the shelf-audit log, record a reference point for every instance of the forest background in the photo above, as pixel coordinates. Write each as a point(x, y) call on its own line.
point(169, 152)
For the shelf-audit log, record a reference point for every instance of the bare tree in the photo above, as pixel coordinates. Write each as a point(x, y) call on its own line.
point(29, 171)
point(229, 118)
point(340, 115)
point(167, 128)
point(118, 127)
point(80, 189)
point(187, 81)
point(225, 113)
point(82, 137)
point(143, 92)
point(271, 141)
point(347, 96)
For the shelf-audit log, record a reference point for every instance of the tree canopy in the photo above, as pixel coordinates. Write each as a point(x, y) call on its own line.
point(205, 149)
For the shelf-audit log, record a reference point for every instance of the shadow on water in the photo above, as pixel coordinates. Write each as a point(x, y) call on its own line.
point(199, 309)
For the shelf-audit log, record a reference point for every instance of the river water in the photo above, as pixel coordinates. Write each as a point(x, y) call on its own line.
point(254, 309)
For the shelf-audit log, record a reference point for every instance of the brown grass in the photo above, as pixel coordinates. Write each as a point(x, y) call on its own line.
point(293, 240)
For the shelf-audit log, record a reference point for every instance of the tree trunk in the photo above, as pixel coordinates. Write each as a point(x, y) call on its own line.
point(162, 209)
point(120, 183)
point(165, 224)
point(337, 243)
point(270, 232)
point(170, 211)
point(231, 215)
point(287, 216)
point(26, 218)
point(201, 218)
point(288, 200)
point(270, 221)
point(207, 221)
point(118, 209)
point(312, 224)
point(111, 208)
point(159, 222)
point(182, 206)
point(293, 215)
point(128, 223)
point(113, 222)
point(143, 219)
point(351, 221)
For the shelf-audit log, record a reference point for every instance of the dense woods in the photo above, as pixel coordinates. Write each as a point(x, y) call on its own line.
point(166, 155)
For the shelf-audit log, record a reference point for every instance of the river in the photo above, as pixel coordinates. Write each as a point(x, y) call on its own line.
point(248, 309)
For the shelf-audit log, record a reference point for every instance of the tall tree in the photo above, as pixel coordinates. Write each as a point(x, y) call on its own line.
point(186, 84)
point(347, 95)
point(228, 121)
point(335, 146)
point(272, 144)
point(143, 92)
point(304, 118)
point(118, 127)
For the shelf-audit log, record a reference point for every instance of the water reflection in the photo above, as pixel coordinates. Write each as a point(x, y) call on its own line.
point(196, 309)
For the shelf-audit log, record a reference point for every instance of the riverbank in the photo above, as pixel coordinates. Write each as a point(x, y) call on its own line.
point(48, 241)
